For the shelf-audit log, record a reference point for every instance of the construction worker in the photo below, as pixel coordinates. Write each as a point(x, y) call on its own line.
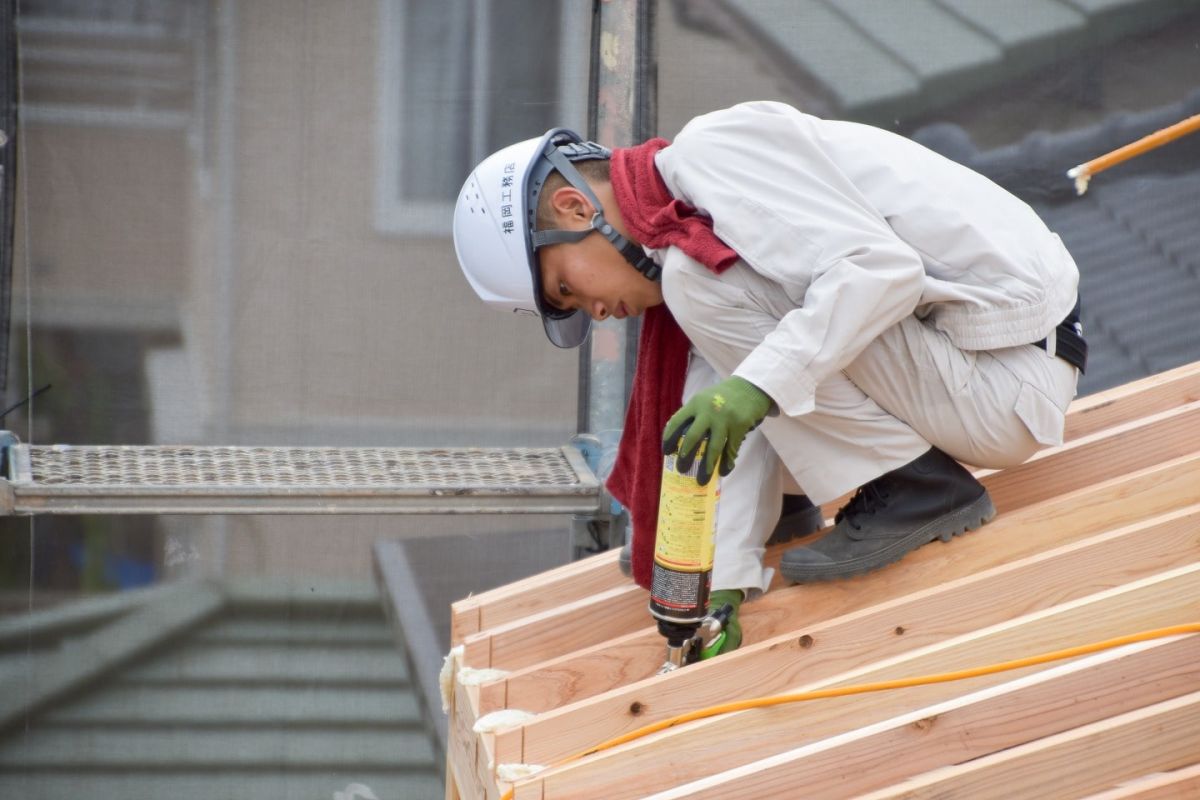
point(831, 306)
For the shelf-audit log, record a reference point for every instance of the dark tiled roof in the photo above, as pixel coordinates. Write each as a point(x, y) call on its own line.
point(1135, 234)
point(873, 60)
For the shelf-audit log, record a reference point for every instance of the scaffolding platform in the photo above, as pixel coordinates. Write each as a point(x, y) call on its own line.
point(169, 479)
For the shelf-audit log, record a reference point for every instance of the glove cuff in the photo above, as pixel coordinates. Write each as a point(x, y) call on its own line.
point(735, 598)
point(761, 401)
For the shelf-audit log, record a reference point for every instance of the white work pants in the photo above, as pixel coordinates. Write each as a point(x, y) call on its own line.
point(910, 389)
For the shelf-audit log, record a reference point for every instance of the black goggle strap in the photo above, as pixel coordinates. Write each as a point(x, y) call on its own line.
point(631, 252)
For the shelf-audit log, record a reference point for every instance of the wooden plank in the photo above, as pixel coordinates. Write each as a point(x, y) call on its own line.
point(1016, 535)
point(537, 593)
point(1131, 401)
point(1100, 456)
point(967, 727)
point(485, 767)
point(464, 620)
point(1089, 460)
point(462, 751)
point(1089, 758)
point(1088, 416)
point(1093, 459)
point(1179, 784)
point(823, 653)
point(730, 741)
point(558, 631)
point(1114, 446)
point(619, 661)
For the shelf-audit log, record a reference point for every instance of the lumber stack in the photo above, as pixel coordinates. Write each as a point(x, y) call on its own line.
point(1095, 539)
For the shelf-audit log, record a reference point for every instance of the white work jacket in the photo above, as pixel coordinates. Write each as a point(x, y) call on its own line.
point(856, 228)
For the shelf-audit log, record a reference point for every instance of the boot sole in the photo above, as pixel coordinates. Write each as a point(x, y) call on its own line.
point(968, 518)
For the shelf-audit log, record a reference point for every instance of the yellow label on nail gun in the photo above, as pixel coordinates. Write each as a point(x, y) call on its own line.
point(687, 518)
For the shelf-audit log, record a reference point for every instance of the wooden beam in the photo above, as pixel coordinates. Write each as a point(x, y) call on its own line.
point(1100, 456)
point(451, 785)
point(1131, 401)
point(1178, 784)
point(730, 741)
point(535, 594)
point(1083, 463)
point(966, 727)
point(549, 633)
point(1092, 419)
point(1057, 547)
point(588, 671)
point(865, 647)
point(465, 753)
point(1090, 758)
point(1020, 534)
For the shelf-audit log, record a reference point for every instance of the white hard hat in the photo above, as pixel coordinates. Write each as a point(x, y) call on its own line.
point(495, 234)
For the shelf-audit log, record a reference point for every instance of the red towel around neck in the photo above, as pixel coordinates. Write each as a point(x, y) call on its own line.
point(655, 219)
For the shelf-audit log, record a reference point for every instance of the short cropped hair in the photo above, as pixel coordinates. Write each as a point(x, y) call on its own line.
point(593, 171)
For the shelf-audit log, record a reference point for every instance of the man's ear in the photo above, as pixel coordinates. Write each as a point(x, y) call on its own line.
point(571, 207)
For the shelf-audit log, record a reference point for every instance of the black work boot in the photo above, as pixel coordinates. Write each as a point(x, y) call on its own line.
point(933, 497)
point(799, 517)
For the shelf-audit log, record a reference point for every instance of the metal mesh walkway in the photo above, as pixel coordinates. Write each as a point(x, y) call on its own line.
point(65, 479)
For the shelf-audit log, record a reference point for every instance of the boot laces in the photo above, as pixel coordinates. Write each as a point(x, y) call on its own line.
point(870, 497)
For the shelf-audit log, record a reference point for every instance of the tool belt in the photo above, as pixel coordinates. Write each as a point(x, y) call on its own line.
point(1067, 342)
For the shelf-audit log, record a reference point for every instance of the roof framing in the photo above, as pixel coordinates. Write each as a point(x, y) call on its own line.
point(1096, 539)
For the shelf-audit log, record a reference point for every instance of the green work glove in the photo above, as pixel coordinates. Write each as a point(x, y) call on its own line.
point(730, 639)
point(723, 414)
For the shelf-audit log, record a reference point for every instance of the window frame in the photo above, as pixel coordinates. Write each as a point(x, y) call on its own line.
point(396, 215)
